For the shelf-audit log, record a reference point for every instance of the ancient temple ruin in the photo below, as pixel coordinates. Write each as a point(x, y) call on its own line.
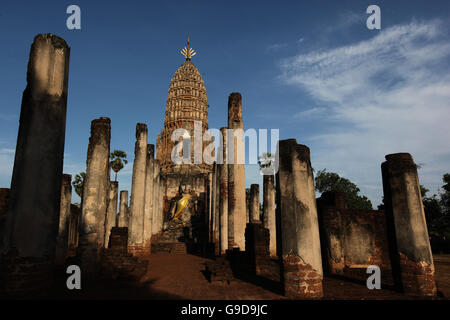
point(193, 206)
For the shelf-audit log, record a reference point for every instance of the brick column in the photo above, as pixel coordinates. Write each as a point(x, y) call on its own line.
point(123, 209)
point(224, 218)
point(269, 212)
point(257, 247)
point(4, 197)
point(148, 208)
point(136, 223)
point(61, 240)
point(236, 172)
point(157, 218)
point(300, 242)
point(73, 230)
point(331, 207)
point(32, 219)
point(404, 209)
point(254, 203)
point(95, 197)
point(111, 212)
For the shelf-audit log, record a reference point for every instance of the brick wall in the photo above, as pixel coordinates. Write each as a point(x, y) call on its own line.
point(352, 239)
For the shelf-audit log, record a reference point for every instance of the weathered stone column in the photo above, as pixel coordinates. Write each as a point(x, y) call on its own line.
point(123, 209)
point(73, 230)
point(148, 208)
point(215, 213)
point(136, 223)
point(157, 200)
point(210, 215)
point(4, 197)
point(32, 220)
point(404, 209)
point(269, 212)
point(95, 197)
point(62, 240)
point(300, 242)
point(111, 212)
point(254, 203)
point(331, 209)
point(257, 248)
point(236, 172)
point(224, 219)
point(217, 208)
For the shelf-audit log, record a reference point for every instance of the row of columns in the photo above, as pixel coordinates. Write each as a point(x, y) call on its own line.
point(146, 206)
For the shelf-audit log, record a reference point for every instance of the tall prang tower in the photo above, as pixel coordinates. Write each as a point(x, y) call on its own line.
point(186, 104)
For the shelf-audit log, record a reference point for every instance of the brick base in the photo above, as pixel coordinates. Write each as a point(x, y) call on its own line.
point(120, 265)
point(301, 281)
point(139, 250)
point(22, 277)
point(417, 277)
point(219, 271)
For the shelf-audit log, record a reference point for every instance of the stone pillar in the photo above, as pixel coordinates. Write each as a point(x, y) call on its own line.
point(136, 223)
point(157, 200)
point(123, 209)
point(210, 216)
point(236, 172)
point(254, 203)
point(73, 230)
point(62, 240)
point(4, 199)
point(300, 242)
point(224, 219)
point(148, 208)
point(215, 209)
point(269, 212)
point(111, 213)
point(331, 208)
point(32, 220)
point(95, 197)
point(404, 209)
point(257, 248)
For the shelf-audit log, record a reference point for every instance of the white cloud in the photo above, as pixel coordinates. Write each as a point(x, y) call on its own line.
point(390, 93)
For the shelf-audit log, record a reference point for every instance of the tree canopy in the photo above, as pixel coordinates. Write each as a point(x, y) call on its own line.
point(78, 183)
point(331, 181)
point(437, 212)
point(118, 161)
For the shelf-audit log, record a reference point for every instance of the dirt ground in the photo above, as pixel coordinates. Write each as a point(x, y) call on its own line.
point(182, 277)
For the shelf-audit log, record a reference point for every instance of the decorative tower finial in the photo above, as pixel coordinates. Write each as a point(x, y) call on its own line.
point(187, 51)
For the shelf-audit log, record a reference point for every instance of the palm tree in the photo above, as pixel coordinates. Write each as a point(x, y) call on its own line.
point(78, 183)
point(118, 161)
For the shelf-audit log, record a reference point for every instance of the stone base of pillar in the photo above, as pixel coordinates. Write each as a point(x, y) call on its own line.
point(417, 277)
point(257, 241)
point(301, 281)
point(140, 250)
point(219, 271)
point(217, 247)
point(25, 277)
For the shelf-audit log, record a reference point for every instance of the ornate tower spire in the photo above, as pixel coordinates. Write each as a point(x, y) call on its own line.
point(187, 51)
point(186, 104)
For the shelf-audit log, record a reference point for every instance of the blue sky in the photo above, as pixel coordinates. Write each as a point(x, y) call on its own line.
point(309, 68)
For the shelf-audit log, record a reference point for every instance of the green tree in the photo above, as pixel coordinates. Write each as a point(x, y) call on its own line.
point(437, 212)
point(78, 183)
point(118, 161)
point(445, 195)
point(331, 181)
